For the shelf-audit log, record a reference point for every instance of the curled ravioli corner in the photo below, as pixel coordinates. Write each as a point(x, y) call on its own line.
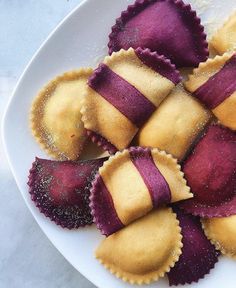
point(205, 70)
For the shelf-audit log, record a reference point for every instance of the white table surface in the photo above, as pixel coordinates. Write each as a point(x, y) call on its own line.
point(27, 258)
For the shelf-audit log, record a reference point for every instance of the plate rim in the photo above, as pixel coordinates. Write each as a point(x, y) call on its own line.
point(4, 124)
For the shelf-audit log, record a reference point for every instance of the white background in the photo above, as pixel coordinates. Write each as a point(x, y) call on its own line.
point(27, 258)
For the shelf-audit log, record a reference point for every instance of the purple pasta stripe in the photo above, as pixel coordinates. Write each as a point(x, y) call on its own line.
point(158, 187)
point(122, 95)
point(103, 210)
point(220, 86)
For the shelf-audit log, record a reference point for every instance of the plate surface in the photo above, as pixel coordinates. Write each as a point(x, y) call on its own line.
point(80, 40)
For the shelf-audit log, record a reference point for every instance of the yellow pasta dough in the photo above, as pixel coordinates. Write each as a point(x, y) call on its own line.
point(55, 115)
point(145, 250)
point(222, 233)
point(224, 39)
point(175, 125)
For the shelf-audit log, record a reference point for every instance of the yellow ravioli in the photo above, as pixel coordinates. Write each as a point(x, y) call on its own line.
point(55, 115)
point(102, 117)
point(130, 195)
point(145, 250)
point(175, 125)
point(224, 111)
point(222, 233)
point(224, 39)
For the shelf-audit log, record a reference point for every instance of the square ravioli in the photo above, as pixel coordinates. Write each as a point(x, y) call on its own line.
point(214, 84)
point(132, 183)
point(175, 124)
point(122, 94)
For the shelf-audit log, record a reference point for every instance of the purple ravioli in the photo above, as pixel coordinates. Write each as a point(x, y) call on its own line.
point(210, 171)
point(60, 189)
point(198, 254)
point(168, 27)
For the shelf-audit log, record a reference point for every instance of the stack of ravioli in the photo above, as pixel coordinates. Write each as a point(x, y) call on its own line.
point(164, 192)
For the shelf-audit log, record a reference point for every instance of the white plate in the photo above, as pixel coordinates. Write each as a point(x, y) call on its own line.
point(78, 41)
